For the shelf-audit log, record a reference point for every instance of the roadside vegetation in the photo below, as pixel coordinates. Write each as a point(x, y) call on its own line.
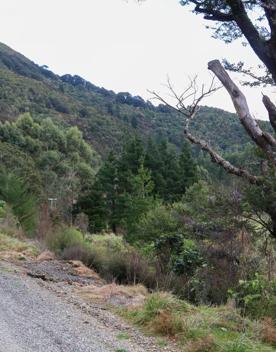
point(192, 243)
point(193, 226)
point(202, 328)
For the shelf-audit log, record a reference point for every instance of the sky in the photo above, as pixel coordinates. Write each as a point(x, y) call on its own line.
point(123, 45)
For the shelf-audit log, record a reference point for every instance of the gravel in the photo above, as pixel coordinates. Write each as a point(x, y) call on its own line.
point(56, 271)
point(34, 318)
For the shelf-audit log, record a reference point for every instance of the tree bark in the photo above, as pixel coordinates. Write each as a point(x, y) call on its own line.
point(263, 139)
point(216, 158)
point(271, 108)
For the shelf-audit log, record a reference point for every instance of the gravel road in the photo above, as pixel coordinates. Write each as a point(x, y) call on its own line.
point(34, 319)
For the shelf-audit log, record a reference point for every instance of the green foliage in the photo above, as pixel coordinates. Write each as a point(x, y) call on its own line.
point(261, 200)
point(127, 186)
point(158, 221)
point(189, 259)
point(197, 329)
point(108, 256)
point(106, 203)
point(115, 260)
point(55, 160)
point(108, 117)
point(23, 204)
point(64, 238)
point(257, 297)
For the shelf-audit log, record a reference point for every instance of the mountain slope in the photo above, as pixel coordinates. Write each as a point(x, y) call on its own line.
point(103, 116)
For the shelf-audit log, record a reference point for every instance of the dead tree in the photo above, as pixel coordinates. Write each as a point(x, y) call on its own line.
point(264, 140)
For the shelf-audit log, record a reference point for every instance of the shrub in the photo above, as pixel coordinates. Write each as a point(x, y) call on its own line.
point(107, 256)
point(256, 297)
point(8, 222)
point(160, 220)
point(65, 238)
point(76, 252)
point(115, 260)
point(189, 259)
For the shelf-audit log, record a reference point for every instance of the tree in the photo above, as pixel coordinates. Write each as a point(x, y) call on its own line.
point(187, 169)
point(140, 199)
point(15, 192)
point(106, 202)
point(254, 20)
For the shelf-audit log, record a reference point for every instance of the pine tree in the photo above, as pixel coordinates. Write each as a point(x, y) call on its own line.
point(140, 199)
point(187, 169)
point(106, 203)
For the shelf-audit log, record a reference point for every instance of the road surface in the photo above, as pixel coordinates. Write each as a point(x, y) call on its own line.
point(34, 319)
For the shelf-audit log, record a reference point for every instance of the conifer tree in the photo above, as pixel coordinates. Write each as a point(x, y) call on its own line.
point(187, 169)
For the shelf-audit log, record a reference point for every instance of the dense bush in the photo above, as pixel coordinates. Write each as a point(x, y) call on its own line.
point(23, 204)
point(115, 260)
point(189, 259)
point(157, 222)
point(64, 239)
point(58, 157)
point(256, 297)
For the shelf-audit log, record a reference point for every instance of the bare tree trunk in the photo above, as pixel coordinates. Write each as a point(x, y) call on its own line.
point(263, 139)
point(270, 107)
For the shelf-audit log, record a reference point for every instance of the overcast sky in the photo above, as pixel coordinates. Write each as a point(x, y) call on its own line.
point(121, 45)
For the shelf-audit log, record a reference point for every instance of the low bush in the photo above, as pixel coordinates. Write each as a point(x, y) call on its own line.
point(64, 239)
point(256, 297)
point(76, 252)
point(115, 260)
point(157, 221)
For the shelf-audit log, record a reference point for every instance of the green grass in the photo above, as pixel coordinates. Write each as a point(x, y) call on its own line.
point(8, 243)
point(123, 336)
point(198, 329)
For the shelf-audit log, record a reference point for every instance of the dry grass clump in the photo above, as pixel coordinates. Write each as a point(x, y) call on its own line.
point(202, 344)
point(268, 331)
point(80, 269)
point(161, 313)
point(11, 247)
point(167, 324)
point(122, 295)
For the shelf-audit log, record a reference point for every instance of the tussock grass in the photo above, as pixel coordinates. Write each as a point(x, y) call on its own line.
point(13, 244)
point(201, 329)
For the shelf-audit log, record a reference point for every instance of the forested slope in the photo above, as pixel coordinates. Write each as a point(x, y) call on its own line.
point(103, 116)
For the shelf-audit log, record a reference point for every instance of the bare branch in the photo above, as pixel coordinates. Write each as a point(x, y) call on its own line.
point(271, 108)
point(189, 112)
point(216, 158)
point(263, 139)
point(187, 103)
